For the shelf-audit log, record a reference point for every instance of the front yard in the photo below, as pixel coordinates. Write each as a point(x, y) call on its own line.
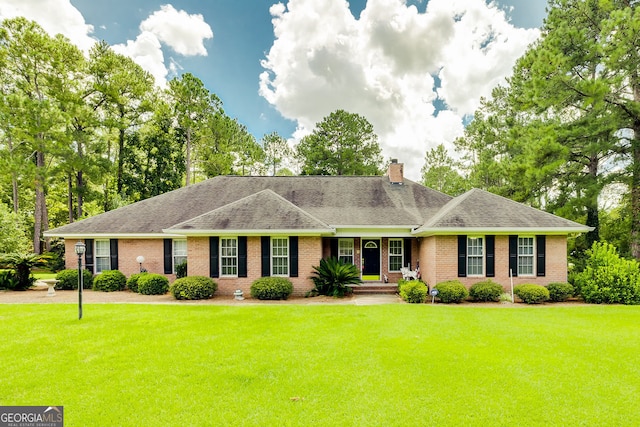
point(392, 365)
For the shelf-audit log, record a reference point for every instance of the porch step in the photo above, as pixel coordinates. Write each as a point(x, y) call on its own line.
point(376, 288)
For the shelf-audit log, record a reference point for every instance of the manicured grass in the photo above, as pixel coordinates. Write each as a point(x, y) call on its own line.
point(388, 365)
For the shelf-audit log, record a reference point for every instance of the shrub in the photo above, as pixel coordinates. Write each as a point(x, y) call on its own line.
point(401, 283)
point(505, 297)
point(153, 284)
point(487, 290)
point(559, 292)
point(8, 280)
point(451, 291)
point(132, 281)
point(270, 288)
point(333, 276)
point(193, 288)
point(109, 281)
point(181, 270)
point(532, 294)
point(414, 292)
point(68, 279)
point(607, 278)
point(22, 264)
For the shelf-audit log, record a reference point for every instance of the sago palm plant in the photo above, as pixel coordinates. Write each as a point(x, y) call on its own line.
point(333, 276)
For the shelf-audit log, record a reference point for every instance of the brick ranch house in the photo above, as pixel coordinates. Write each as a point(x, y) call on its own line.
point(236, 229)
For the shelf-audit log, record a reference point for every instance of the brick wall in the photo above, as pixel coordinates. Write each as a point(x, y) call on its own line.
point(441, 256)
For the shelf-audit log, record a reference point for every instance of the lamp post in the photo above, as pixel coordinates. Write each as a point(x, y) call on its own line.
point(79, 249)
point(140, 260)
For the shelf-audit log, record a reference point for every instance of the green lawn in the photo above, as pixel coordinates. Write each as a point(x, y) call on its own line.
point(342, 365)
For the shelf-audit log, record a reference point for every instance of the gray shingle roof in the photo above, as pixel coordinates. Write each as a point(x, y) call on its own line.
point(480, 210)
point(332, 200)
point(264, 210)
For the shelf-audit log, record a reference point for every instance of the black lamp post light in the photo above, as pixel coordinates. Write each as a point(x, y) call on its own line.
point(79, 249)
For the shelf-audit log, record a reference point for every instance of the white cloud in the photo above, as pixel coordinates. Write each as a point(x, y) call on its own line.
point(146, 51)
point(54, 16)
point(183, 32)
point(382, 66)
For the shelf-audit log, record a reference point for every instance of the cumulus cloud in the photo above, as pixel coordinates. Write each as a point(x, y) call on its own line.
point(383, 65)
point(184, 33)
point(54, 16)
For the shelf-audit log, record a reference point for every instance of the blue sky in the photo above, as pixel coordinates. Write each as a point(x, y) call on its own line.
point(415, 69)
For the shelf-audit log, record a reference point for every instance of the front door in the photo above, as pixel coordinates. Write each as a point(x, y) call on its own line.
point(371, 259)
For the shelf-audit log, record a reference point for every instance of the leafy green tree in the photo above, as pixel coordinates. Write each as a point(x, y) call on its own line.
point(440, 172)
point(341, 144)
point(193, 106)
point(40, 69)
point(276, 150)
point(13, 235)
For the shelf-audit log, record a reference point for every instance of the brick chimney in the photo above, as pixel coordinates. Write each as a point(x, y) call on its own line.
point(396, 172)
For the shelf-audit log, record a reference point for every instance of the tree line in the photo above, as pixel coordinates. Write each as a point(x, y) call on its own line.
point(83, 135)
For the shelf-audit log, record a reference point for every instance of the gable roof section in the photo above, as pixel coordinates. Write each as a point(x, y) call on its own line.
point(480, 211)
point(264, 211)
point(336, 201)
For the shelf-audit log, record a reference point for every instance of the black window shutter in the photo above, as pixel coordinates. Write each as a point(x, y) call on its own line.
point(113, 252)
point(491, 257)
point(265, 242)
point(333, 248)
point(242, 256)
point(214, 270)
point(407, 252)
point(88, 255)
point(541, 249)
point(462, 256)
point(293, 256)
point(513, 255)
point(168, 256)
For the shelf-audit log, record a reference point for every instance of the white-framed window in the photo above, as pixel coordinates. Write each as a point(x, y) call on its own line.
point(525, 256)
point(229, 256)
point(475, 256)
point(179, 253)
point(396, 254)
point(279, 256)
point(103, 255)
point(345, 250)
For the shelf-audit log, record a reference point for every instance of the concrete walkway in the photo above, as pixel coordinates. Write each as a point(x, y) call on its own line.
point(38, 295)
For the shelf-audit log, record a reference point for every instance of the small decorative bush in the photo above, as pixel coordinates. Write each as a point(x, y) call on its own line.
point(109, 281)
point(414, 292)
point(132, 281)
point(193, 288)
point(531, 294)
point(181, 270)
point(8, 280)
point(333, 277)
point(401, 283)
point(560, 292)
point(487, 290)
point(68, 279)
point(608, 278)
point(270, 288)
point(451, 291)
point(153, 284)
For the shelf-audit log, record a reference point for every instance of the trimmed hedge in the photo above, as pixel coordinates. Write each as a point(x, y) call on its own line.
point(193, 288)
point(485, 291)
point(68, 279)
point(451, 291)
point(153, 284)
point(109, 281)
point(414, 291)
point(132, 281)
point(271, 288)
point(560, 292)
point(532, 294)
